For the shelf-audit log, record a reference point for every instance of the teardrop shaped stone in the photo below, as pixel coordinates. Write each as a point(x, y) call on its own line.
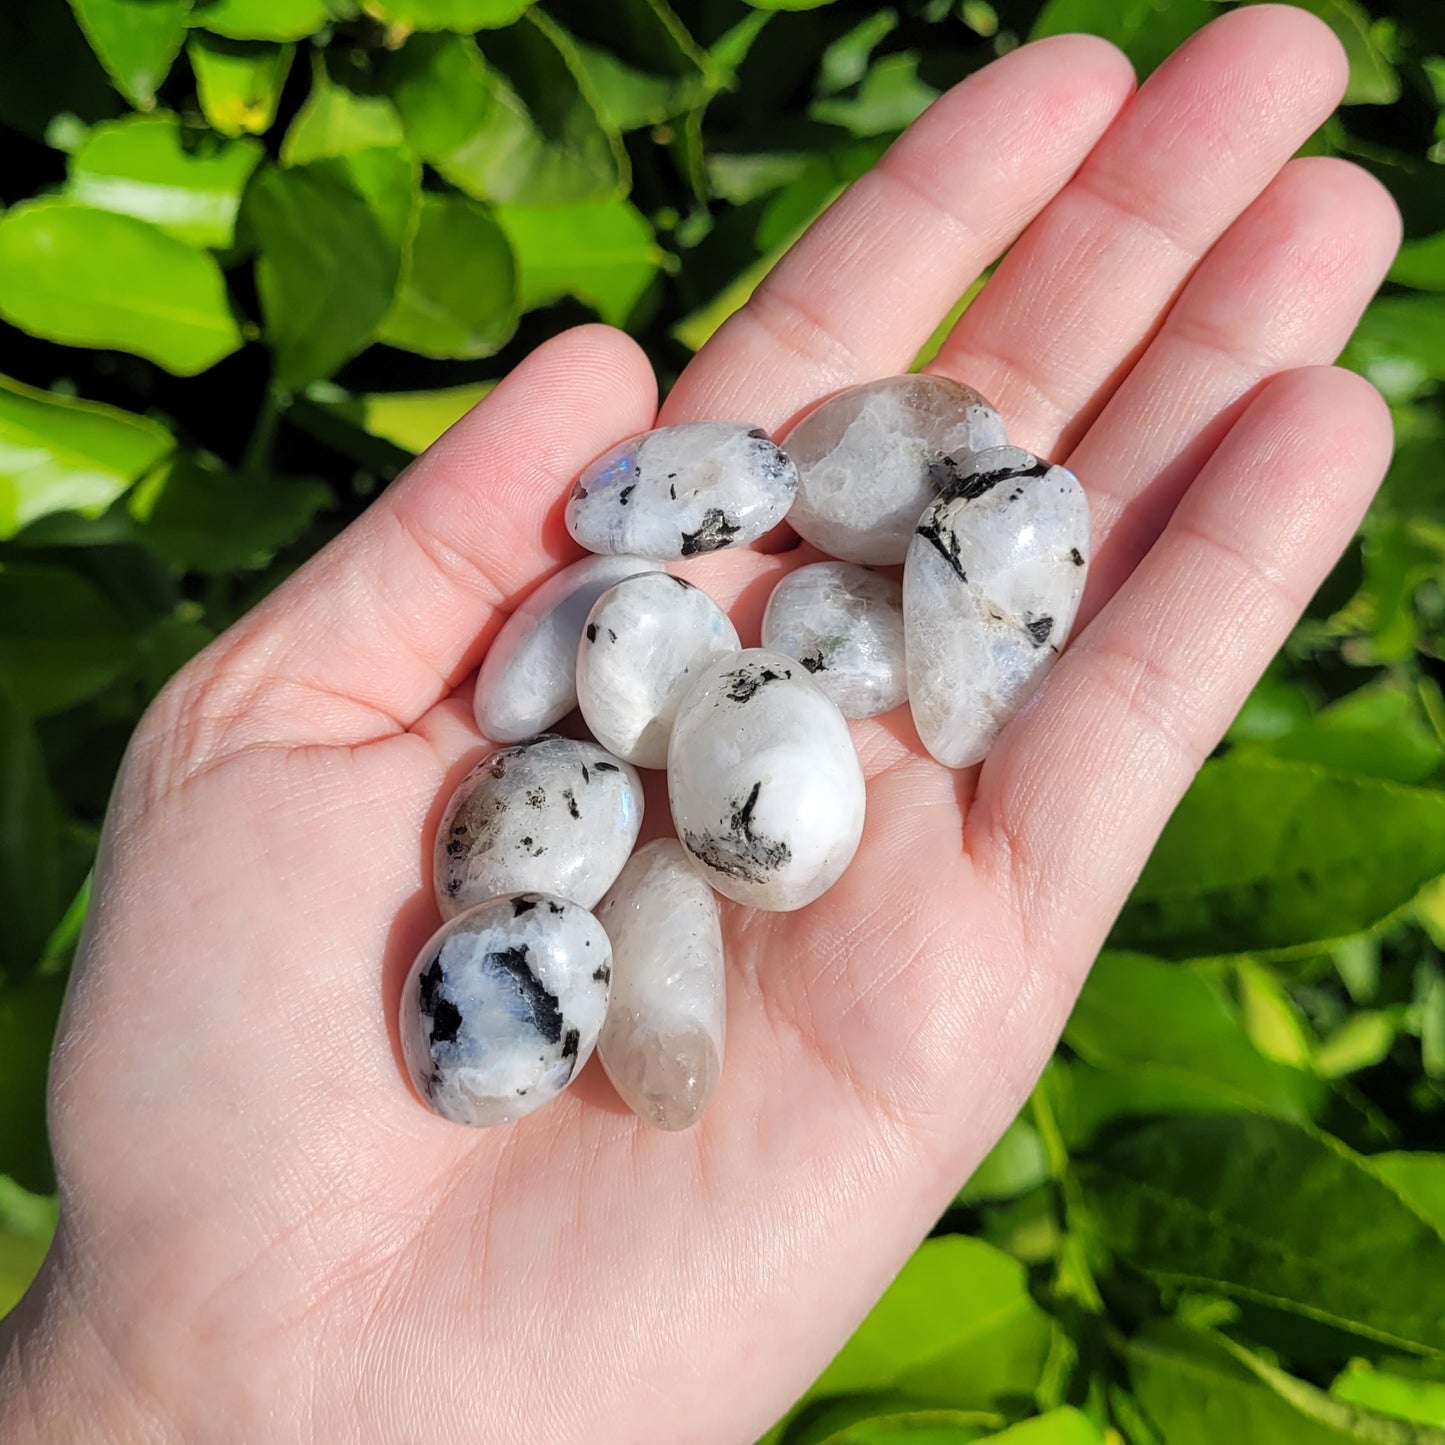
point(683, 490)
point(551, 815)
point(503, 1006)
point(872, 458)
point(991, 587)
point(662, 1044)
point(528, 679)
point(765, 785)
point(645, 643)
point(845, 625)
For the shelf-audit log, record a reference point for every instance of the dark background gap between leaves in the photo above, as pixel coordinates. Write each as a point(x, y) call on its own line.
point(1221, 1216)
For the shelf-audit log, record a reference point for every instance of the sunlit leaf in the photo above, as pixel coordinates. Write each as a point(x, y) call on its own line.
point(411, 420)
point(136, 40)
point(338, 121)
point(238, 82)
point(27, 1222)
point(88, 277)
point(261, 19)
point(60, 454)
point(464, 16)
point(142, 167)
point(28, 1012)
point(1145, 30)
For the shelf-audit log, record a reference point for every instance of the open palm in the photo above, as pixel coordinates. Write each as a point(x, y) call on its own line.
point(265, 1236)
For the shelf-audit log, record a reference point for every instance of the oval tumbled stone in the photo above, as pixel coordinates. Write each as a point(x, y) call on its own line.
point(662, 1044)
point(503, 1006)
point(845, 625)
point(872, 458)
point(645, 643)
point(766, 790)
point(992, 583)
point(683, 490)
point(528, 679)
point(552, 815)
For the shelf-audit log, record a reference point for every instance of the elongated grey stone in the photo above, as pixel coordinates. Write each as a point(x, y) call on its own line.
point(845, 625)
point(683, 490)
point(765, 785)
point(991, 587)
point(551, 815)
point(662, 1043)
point(872, 458)
point(644, 644)
point(528, 679)
point(503, 1006)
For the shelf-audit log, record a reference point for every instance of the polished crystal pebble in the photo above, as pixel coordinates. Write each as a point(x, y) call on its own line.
point(872, 458)
point(644, 644)
point(990, 590)
point(503, 1006)
point(845, 625)
point(682, 490)
point(552, 815)
point(765, 785)
point(662, 1044)
point(528, 679)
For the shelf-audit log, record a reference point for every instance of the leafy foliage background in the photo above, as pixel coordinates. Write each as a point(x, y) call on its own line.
point(256, 253)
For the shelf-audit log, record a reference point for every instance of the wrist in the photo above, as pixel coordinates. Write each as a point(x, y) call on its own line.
point(58, 1380)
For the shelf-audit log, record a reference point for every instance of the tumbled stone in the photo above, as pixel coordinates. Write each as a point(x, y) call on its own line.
point(528, 679)
point(644, 644)
point(872, 458)
point(766, 790)
point(991, 587)
point(662, 1043)
point(682, 490)
point(551, 815)
point(503, 1006)
point(845, 625)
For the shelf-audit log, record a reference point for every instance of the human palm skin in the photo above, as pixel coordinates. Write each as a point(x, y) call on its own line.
point(265, 1236)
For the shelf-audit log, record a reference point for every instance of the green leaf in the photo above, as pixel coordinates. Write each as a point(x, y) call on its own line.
point(1419, 1177)
point(142, 166)
point(1201, 1388)
point(1400, 343)
point(331, 237)
point(515, 126)
point(27, 1222)
point(1016, 1164)
point(411, 420)
point(1260, 1209)
point(1421, 263)
point(338, 121)
point(205, 518)
point(30, 859)
point(460, 15)
point(880, 1420)
point(1378, 731)
point(1422, 1401)
point(890, 97)
point(458, 296)
point(603, 253)
point(1361, 1042)
point(1065, 1426)
point(957, 1328)
point(261, 19)
point(789, 4)
point(1147, 31)
point(238, 82)
point(1373, 80)
point(137, 41)
point(90, 278)
point(1165, 1032)
point(1272, 1021)
point(28, 1012)
point(1266, 855)
point(61, 640)
point(60, 454)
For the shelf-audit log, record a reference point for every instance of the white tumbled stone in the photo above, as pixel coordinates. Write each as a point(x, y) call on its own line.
point(991, 587)
point(765, 785)
point(503, 1006)
point(682, 490)
point(645, 643)
point(528, 679)
point(550, 815)
point(845, 625)
point(872, 458)
point(662, 1043)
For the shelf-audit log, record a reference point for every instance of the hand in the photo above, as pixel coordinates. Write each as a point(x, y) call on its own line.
point(265, 1236)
